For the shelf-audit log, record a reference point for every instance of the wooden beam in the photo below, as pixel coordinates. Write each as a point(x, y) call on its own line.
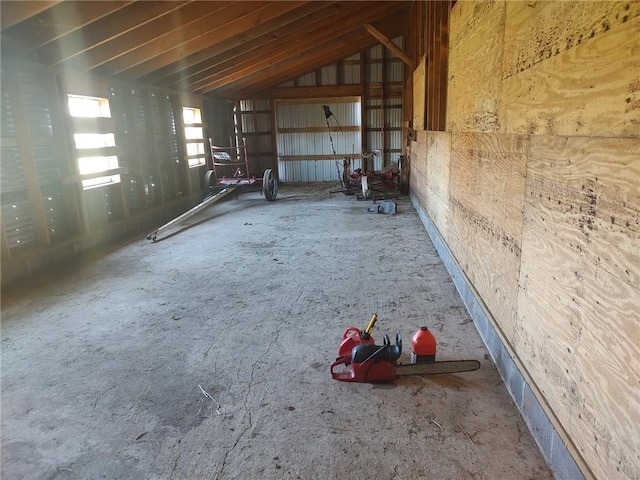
point(219, 74)
point(55, 22)
point(122, 30)
point(388, 43)
point(235, 46)
point(294, 67)
point(339, 20)
point(316, 92)
point(236, 20)
point(119, 22)
point(14, 12)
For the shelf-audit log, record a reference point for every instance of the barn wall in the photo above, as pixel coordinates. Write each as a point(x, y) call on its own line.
point(376, 75)
point(534, 192)
point(48, 219)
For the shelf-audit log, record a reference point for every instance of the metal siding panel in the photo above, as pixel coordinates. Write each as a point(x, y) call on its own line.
point(329, 75)
point(17, 217)
point(262, 105)
point(11, 173)
point(393, 117)
point(315, 143)
point(263, 122)
point(374, 118)
point(307, 80)
point(374, 71)
point(395, 142)
point(248, 125)
point(375, 53)
point(395, 72)
point(351, 74)
point(374, 140)
point(264, 143)
point(6, 116)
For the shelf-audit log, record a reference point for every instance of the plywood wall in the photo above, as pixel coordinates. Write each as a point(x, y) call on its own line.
point(572, 68)
point(437, 178)
point(578, 301)
point(486, 195)
point(535, 187)
point(476, 58)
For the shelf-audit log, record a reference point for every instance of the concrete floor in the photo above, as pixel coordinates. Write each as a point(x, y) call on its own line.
point(205, 355)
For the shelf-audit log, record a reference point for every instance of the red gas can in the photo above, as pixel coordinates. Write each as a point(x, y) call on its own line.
point(423, 346)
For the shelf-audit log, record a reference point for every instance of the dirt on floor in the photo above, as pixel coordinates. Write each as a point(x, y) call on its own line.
point(206, 355)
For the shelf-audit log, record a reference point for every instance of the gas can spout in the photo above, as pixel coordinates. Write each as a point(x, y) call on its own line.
point(372, 322)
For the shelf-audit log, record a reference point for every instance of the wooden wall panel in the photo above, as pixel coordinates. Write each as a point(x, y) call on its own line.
point(475, 66)
point(579, 297)
point(577, 76)
point(543, 205)
point(486, 195)
point(418, 166)
point(419, 95)
point(438, 160)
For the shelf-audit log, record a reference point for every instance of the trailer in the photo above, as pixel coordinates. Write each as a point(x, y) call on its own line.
point(229, 174)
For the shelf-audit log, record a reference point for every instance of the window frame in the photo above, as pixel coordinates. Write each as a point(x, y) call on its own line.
point(192, 119)
point(99, 124)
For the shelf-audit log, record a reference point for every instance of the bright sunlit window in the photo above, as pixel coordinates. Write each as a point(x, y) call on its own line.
point(97, 164)
point(94, 140)
point(191, 115)
point(88, 162)
point(194, 135)
point(90, 107)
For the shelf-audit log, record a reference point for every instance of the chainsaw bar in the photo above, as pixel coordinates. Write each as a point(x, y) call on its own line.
point(435, 368)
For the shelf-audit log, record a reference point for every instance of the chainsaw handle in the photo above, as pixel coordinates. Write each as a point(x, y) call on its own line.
point(351, 332)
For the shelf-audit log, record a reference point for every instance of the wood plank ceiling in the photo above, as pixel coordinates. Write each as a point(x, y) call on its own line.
point(223, 49)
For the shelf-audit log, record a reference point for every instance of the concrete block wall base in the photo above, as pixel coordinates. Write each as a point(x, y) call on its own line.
point(549, 441)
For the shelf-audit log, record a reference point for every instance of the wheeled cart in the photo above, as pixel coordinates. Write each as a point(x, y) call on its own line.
point(224, 161)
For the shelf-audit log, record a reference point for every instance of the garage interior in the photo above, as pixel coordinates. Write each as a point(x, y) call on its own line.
point(206, 354)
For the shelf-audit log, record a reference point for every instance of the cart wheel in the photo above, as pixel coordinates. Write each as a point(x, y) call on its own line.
point(269, 185)
point(208, 176)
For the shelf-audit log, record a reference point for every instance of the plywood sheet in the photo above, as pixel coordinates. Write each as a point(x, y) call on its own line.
point(579, 297)
point(486, 193)
point(438, 159)
point(572, 68)
point(418, 166)
point(475, 66)
point(419, 86)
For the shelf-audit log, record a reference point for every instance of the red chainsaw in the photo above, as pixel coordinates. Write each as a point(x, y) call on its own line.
point(367, 362)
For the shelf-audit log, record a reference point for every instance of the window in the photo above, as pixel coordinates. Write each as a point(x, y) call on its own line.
point(95, 150)
point(89, 107)
point(194, 135)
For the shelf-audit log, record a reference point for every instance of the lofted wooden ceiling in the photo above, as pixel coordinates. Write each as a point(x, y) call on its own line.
point(223, 49)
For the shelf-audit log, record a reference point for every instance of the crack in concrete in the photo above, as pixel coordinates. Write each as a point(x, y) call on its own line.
point(246, 399)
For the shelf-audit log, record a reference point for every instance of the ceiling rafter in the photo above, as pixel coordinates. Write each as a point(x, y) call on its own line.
point(223, 49)
point(195, 20)
point(223, 30)
point(274, 49)
point(57, 21)
point(287, 48)
point(239, 44)
point(347, 45)
point(115, 25)
point(141, 39)
point(14, 12)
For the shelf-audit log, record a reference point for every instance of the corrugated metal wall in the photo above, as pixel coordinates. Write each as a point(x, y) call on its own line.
point(371, 121)
point(305, 150)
